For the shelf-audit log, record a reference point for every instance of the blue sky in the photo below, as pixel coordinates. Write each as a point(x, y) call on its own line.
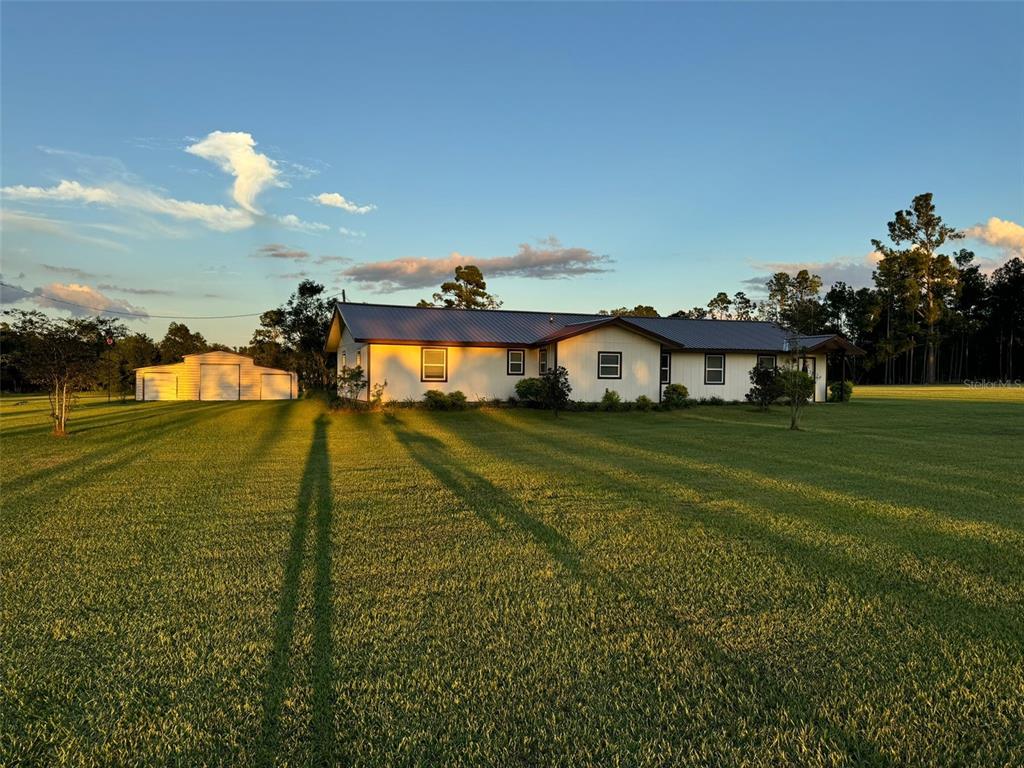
point(169, 158)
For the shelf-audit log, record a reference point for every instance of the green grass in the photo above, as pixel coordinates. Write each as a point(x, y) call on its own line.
point(266, 583)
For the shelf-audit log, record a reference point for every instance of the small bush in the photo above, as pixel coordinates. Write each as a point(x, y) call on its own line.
point(834, 389)
point(435, 400)
point(456, 401)
point(713, 400)
point(530, 391)
point(611, 401)
point(797, 388)
point(675, 396)
point(764, 389)
point(644, 403)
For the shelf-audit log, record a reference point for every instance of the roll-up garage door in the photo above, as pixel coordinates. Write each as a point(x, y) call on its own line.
point(159, 386)
point(219, 381)
point(276, 386)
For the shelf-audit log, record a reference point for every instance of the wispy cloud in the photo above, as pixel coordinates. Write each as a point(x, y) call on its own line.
point(335, 200)
point(1006, 235)
point(333, 259)
point(351, 232)
point(67, 191)
point(281, 251)
point(548, 260)
point(75, 272)
point(293, 222)
point(21, 221)
point(234, 153)
point(135, 291)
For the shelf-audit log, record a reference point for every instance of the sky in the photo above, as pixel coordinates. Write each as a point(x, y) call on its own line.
point(200, 159)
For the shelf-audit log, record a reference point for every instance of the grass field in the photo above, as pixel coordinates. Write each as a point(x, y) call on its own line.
point(267, 583)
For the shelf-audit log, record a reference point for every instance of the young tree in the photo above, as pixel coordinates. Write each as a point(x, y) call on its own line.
point(556, 388)
point(180, 341)
point(63, 356)
point(918, 233)
point(796, 387)
point(467, 291)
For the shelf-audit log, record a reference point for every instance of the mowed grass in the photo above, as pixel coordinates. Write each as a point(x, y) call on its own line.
point(269, 583)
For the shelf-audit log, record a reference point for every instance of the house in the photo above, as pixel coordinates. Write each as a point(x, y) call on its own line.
point(484, 353)
point(214, 376)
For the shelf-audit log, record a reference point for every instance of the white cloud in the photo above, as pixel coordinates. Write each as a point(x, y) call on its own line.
point(334, 200)
point(351, 232)
point(291, 221)
point(857, 273)
point(999, 233)
point(79, 300)
point(281, 251)
point(65, 190)
point(552, 261)
point(234, 153)
point(18, 220)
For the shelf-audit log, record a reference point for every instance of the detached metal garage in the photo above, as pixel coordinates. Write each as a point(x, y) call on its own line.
point(215, 376)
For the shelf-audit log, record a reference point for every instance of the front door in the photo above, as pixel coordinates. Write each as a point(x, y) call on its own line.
point(807, 365)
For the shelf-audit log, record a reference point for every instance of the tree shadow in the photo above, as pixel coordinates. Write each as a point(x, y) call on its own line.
point(315, 501)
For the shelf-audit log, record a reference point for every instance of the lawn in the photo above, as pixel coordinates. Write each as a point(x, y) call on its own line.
point(269, 583)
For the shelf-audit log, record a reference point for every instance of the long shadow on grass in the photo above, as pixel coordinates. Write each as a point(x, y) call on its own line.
point(738, 672)
point(315, 501)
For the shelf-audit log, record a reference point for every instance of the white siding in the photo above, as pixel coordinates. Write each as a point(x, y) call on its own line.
point(688, 370)
point(640, 364)
point(189, 373)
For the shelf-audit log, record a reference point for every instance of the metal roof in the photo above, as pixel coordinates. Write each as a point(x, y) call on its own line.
point(500, 327)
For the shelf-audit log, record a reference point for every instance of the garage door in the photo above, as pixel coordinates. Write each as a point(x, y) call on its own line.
point(159, 386)
point(219, 381)
point(276, 386)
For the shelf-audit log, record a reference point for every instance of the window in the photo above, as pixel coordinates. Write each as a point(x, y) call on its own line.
point(515, 364)
point(344, 359)
point(766, 361)
point(359, 359)
point(542, 356)
point(666, 367)
point(609, 365)
point(433, 364)
point(714, 369)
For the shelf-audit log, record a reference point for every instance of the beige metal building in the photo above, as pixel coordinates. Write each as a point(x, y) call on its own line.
point(215, 376)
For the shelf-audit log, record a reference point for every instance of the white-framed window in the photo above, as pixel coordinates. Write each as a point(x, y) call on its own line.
point(666, 367)
point(714, 369)
point(515, 362)
point(542, 358)
point(609, 365)
point(359, 358)
point(344, 359)
point(766, 361)
point(433, 364)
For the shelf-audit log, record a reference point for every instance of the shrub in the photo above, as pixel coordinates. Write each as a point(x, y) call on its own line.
point(764, 388)
point(530, 391)
point(797, 387)
point(435, 400)
point(351, 382)
point(644, 403)
point(675, 396)
point(834, 389)
point(556, 388)
point(611, 401)
point(713, 400)
point(456, 401)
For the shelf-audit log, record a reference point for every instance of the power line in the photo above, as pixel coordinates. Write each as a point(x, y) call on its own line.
point(120, 313)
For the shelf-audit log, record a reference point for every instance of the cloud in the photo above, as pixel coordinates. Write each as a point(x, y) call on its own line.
point(71, 191)
point(74, 298)
point(332, 259)
point(233, 152)
point(291, 221)
point(334, 200)
point(999, 233)
point(280, 251)
point(135, 291)
point(549, 261)
point(12, 294)
point(18, 220)
point(856, 273)
point(294, 275)
point(351, 232)
point(75, 272)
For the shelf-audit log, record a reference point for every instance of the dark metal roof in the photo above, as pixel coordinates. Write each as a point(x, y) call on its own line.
point(499, 327)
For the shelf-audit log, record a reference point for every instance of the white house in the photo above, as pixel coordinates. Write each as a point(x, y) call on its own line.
point(484, 353)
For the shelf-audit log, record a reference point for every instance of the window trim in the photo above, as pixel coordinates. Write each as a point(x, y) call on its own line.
point(722, 369)
point(665, 371)
point(600, 365)
point(508, 361)
point(773, 358)
point(542, 360)
point(423, 378)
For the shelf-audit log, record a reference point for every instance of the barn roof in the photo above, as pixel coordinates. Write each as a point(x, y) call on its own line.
point(385, 323)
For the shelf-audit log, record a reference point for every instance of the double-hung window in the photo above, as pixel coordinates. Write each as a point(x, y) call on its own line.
point(433, 364)
point(766, 361)
point(714, 369)
point(515, 362)
point(542, 358)
point(609, 365)
point(666, 367)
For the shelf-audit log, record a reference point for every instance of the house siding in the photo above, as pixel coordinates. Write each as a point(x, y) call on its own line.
point(688, 370)
point(641, 358)
point(188, 375)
